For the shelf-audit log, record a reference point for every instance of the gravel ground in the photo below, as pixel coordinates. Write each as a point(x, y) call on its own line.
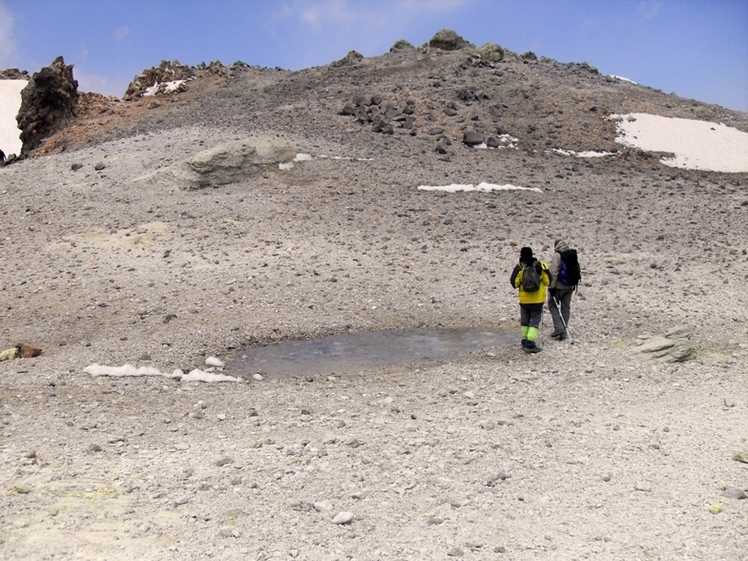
point(583, 451)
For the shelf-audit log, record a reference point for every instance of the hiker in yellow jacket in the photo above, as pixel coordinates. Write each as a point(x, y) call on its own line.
point(532, 277)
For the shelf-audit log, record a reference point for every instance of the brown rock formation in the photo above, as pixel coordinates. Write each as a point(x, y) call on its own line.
point(47, 103)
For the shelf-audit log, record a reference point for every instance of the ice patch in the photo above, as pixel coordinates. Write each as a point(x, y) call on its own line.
point(480, 187)
point(698, 145)
point(129, 370)
point(587, 154)
point(163, 87)
point(214, 361)
point(10, 104)
point(622, 79)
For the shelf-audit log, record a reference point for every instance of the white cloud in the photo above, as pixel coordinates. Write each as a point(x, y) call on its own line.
point(99, 84)
point(650, 9)
point(83, 50)
point(431, 6)
point(320, 14)
point(120, 33)
point(7, 44)
point(591, 22)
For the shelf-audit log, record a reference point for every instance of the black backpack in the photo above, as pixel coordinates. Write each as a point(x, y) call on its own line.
point(530, 278)
point(569, 273)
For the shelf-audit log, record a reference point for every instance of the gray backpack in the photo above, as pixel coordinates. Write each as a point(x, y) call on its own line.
point(530, 278)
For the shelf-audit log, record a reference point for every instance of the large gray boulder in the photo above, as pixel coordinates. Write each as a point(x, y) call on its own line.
point(402, 45)
point(448, 40)
point(491, 52)
point(228, 163)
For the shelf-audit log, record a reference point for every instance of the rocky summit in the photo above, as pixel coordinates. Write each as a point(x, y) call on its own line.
point(148, 241)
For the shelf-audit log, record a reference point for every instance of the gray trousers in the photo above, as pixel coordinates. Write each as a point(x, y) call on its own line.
point(563, 296)
point(530, 315)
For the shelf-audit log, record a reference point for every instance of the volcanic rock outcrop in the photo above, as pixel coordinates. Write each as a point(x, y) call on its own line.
point(161, 74)
point(47, 103)
point(155, 80)
point(13, 74)
point(227, 163)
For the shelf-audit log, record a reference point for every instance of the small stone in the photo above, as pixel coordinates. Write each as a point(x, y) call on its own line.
point(29, 351)
point(94, 448)
point(733, 493)
point(434, 521)
point(224, 461)
point(229, 532)
point(494, 479)
point(455, 552)
point(183, 500)
point(343, 517)
point(323, 506)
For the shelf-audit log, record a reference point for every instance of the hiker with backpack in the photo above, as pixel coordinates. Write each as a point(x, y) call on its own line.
point(531, 277)
point(566, 276)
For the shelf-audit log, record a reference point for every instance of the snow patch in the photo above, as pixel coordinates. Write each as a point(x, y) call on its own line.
point(480, 187)
point(700, 145)
point(129, 370)
point(587, 154)
point(163, 87)
point(10, 104)
point(622, 79)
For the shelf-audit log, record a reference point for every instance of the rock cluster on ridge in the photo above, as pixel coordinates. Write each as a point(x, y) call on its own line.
point(457, 93)
point(14, 74)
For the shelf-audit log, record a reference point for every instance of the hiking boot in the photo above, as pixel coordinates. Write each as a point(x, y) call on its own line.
point(532, 350)
point(557, 333)
point(524, 343)
point(562, 337)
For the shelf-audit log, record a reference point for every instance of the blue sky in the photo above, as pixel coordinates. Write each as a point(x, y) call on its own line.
point(695, 48)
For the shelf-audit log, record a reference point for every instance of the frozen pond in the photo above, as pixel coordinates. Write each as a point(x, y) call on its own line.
point(366, 350)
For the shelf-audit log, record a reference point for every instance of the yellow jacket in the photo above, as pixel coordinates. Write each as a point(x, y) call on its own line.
point(537, 297)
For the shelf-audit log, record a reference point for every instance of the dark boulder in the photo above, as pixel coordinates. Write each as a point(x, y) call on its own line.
point(491, 52)
point(402, 45)
point(472, 138)
point(353, 57)
point(47, 103)
point(448, 40)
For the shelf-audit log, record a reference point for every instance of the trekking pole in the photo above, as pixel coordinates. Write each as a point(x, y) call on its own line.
point(566, 327)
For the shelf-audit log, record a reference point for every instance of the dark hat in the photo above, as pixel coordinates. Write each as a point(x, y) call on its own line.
point(525, 253)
